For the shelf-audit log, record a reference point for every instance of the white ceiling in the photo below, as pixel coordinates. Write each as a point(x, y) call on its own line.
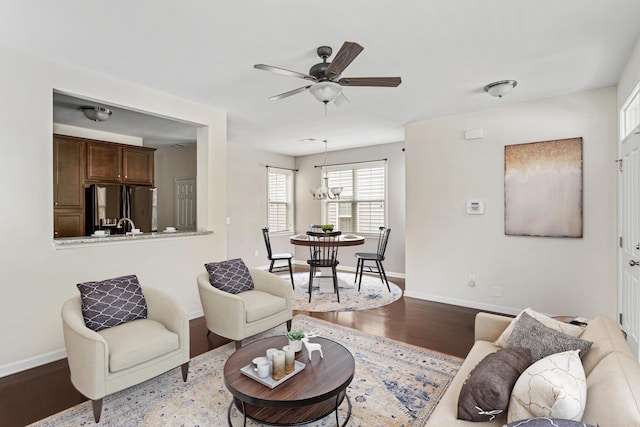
point(444, 50)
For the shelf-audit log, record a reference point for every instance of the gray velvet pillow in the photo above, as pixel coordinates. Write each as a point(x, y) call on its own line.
point(485, 393)
point(543, 341)
point(547, 422)
point(111, 302)
point(230, 276)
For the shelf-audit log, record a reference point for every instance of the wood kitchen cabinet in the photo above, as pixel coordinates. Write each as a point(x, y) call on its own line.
point(120, 164)
point(68, 172)
point(68, 223)
point(68, 186)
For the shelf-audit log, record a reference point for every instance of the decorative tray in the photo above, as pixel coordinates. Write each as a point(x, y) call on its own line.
point(268, 381)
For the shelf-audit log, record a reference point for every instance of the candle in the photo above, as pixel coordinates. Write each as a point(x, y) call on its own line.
point(278, 365)
point(289, 359)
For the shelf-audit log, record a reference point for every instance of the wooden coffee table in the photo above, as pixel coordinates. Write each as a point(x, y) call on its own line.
point(309, 395)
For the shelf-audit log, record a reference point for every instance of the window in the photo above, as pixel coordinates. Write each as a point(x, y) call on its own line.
point(362, 204)
point(630, 113)
point(280, 199)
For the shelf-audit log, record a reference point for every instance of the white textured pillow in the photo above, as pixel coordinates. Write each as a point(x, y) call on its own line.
point(554, 386)
point(565, 328)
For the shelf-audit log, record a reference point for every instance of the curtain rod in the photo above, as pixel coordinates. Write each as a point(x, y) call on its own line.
point(278, 167)
point(351, 163)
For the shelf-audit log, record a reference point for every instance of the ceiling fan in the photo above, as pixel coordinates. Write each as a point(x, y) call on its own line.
point(326, 77)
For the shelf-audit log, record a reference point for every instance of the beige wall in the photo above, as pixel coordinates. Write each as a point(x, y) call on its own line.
point(444, 245)
point(247, 207)
point(36, 278)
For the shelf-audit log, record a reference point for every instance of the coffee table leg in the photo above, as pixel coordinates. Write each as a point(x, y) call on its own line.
point(244, 412)
point(348, 412)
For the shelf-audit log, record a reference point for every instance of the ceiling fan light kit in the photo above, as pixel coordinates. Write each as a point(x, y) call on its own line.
point(500, 88)
point(326, 76)
point(97, 114)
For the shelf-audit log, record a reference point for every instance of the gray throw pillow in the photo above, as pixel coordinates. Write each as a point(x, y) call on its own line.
point(486, 391)
point(543, 341)
point(547, 422)
point(111, 302)
point(230, 276)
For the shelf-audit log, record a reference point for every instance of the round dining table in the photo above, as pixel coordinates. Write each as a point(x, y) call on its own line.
point(343, 240)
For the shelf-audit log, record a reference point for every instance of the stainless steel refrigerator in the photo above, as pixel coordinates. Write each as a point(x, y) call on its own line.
point(107, 204)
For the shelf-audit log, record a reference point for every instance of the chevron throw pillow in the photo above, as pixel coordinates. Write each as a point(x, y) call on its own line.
point(230, 276)
point(112, 302)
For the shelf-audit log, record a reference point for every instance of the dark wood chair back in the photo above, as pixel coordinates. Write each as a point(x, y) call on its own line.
point(324, 251)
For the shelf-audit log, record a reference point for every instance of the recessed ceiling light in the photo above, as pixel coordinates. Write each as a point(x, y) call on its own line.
point(307, 140)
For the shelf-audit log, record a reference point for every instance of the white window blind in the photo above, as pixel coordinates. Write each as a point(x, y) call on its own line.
point(362, 205)
point(280, 199)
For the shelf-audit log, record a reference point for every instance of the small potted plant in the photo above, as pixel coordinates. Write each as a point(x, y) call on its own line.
point(327, 228)
point(295, 339)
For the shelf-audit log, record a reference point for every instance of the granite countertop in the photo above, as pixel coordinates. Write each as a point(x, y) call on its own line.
point(92, 240)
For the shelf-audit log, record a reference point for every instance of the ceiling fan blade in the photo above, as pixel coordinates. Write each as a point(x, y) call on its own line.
point(284, 72)
point(370, 81)
point(291, 92)
point(341, 100)
point(347, 53)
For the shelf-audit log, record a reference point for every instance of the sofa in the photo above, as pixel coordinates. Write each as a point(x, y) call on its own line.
point(611, 369)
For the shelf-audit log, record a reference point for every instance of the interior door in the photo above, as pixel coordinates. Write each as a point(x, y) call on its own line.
point(185, 193)
point(629, 284)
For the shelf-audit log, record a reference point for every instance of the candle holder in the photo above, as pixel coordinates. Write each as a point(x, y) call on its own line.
point(289, 359)
point(278, 360)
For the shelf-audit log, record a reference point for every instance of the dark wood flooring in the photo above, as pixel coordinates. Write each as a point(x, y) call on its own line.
point(34, 394)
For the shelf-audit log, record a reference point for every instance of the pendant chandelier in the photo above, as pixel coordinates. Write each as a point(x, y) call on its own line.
point(324, 192)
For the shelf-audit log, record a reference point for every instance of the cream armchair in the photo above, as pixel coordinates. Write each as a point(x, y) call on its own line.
point(239, 316)
point(104, 362)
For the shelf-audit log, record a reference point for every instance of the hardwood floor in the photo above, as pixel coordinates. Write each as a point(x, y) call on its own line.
point(34, 394)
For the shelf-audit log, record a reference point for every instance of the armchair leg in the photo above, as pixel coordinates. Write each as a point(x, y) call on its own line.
point(185, 371)
point(238, 344)
point(289, 323)
point(97, 409)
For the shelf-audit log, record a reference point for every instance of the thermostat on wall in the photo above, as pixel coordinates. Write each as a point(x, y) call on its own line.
point(475, 207)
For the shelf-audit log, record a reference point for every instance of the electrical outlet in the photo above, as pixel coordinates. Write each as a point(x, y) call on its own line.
point(471, 281)
point(496, 291)
point(257, 253)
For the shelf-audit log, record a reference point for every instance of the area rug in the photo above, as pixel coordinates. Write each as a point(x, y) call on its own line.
point(373, 293)
point(395, 384)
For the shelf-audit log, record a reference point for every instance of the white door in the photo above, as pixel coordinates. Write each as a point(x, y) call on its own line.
point(185, 204)
point(629, 286)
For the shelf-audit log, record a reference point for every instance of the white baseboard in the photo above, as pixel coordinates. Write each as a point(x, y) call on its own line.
point(32, 362)
point(463, 303)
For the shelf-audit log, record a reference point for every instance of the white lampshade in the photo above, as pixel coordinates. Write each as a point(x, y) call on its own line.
point(325, 91)
point(500, 88)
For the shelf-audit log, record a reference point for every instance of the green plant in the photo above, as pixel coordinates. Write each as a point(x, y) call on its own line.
point(295, 335)
point(327, 227)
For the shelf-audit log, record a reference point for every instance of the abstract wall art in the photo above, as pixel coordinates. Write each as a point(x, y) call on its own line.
point(543, 188)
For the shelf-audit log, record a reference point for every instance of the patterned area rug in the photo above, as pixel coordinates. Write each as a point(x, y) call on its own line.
point(394, 385)
point(373, 293)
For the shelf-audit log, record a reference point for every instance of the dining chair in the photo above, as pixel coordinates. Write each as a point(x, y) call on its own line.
point(277, 257)
point(378, 257)
point(324, 253)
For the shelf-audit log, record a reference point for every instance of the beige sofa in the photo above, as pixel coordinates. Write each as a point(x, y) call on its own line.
point(613, 375)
